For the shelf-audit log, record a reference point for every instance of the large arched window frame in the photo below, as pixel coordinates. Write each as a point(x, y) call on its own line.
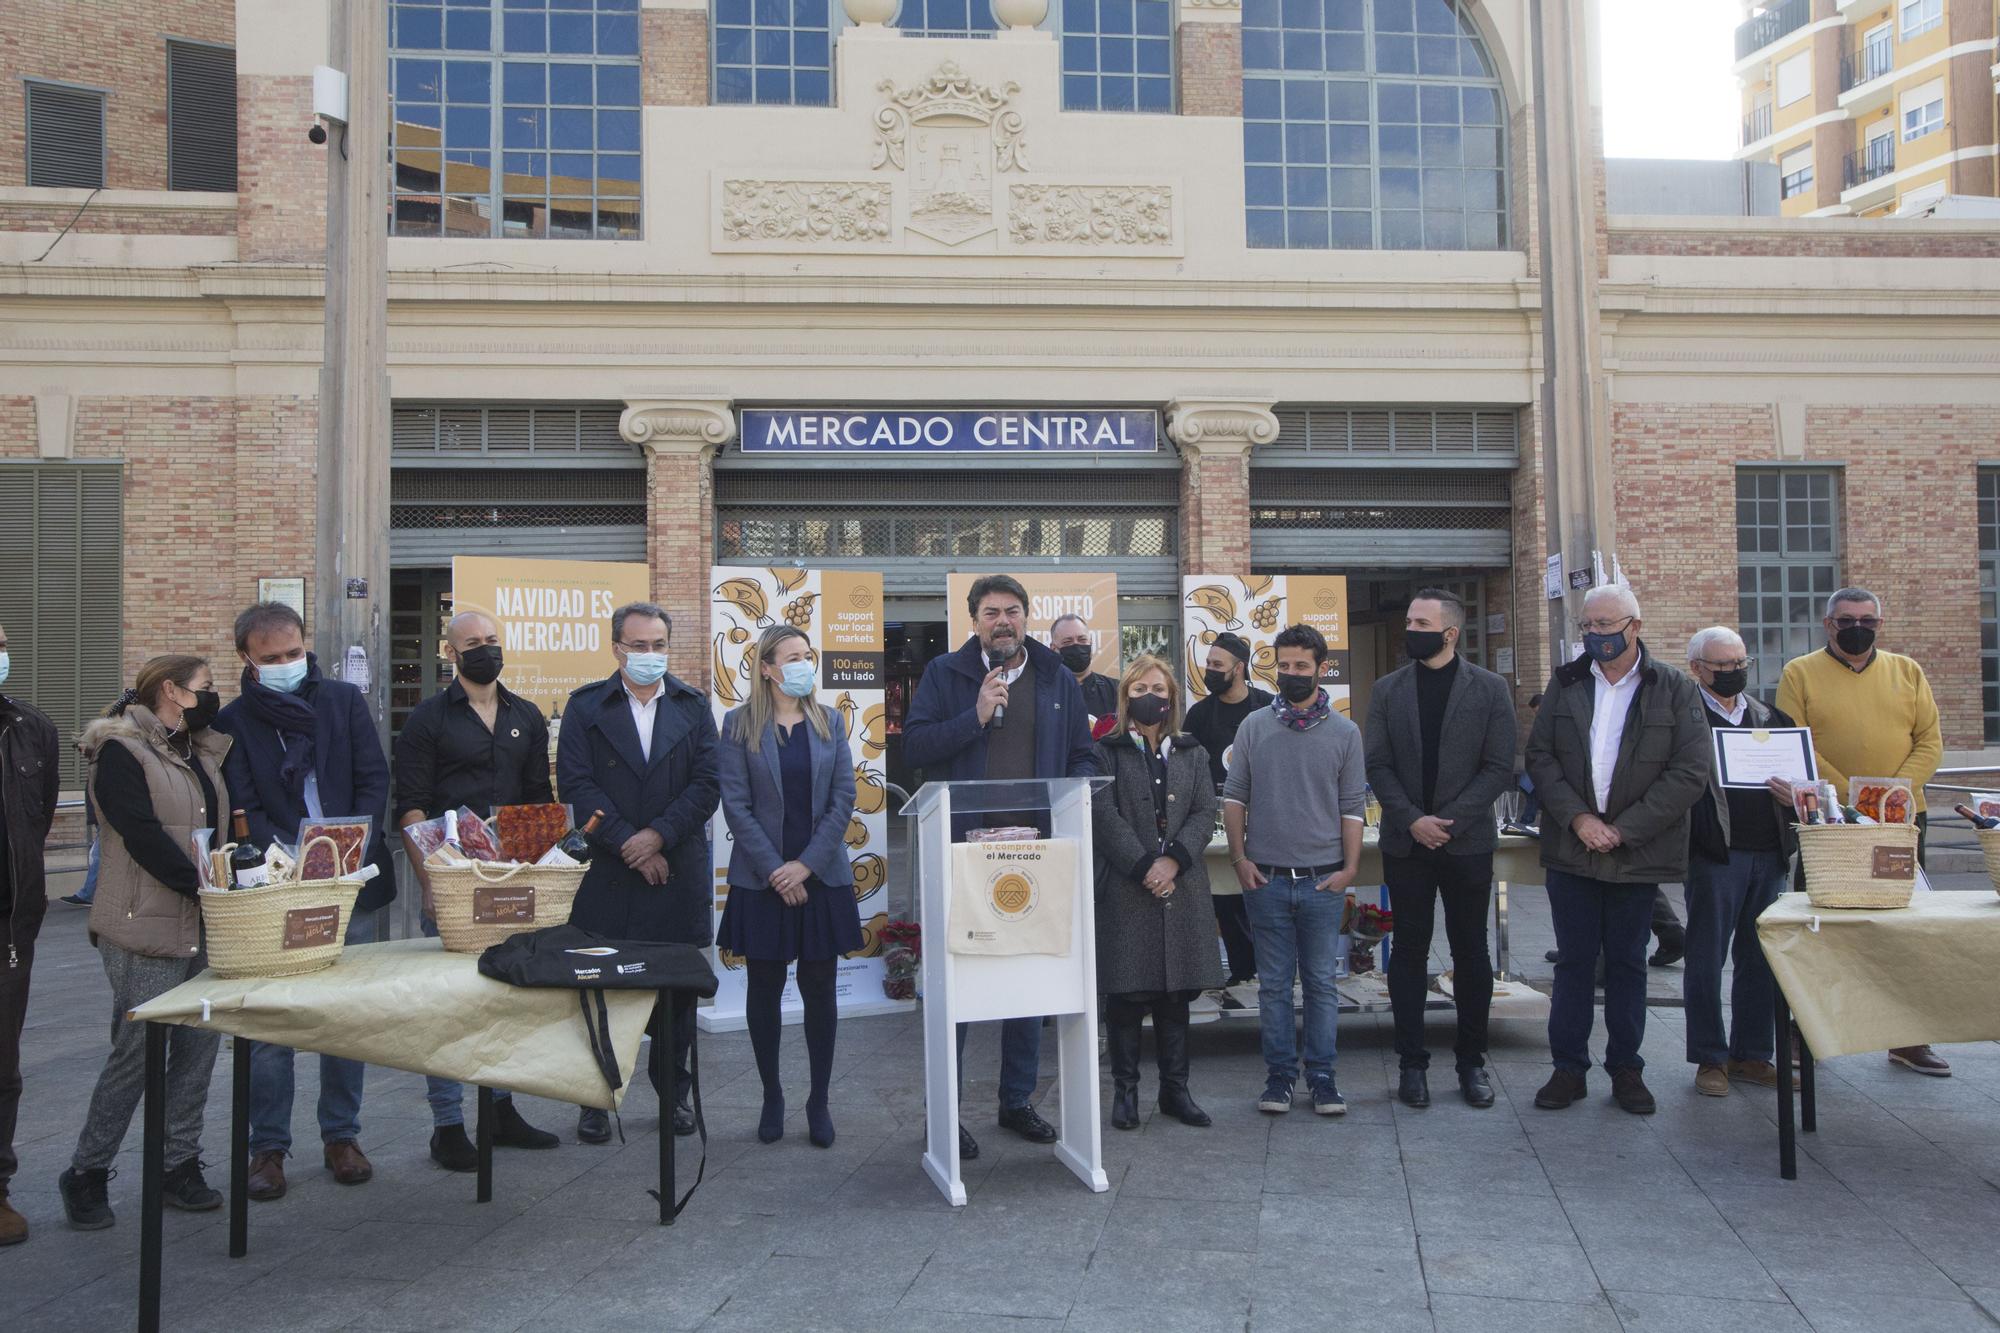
point(1371, 124)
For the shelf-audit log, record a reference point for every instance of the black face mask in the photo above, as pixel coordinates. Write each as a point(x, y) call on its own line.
point(207, 703)
point(1423, 644)
point(1729, 684)
point(1148, 710)
point(1077, 657)
point(1297, 689)
point(481, 665)
point(1854, 640)
point(1218, 682)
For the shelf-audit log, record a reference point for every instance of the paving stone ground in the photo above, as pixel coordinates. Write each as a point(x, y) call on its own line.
point(1441, 1220)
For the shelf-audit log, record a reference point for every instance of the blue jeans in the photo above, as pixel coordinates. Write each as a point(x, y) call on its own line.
point(447, 1096)
point(339, 1080)
point(1722, 904)
point(1593, 915)
point(88, 893)
point(1297, 930)
point(1020, 1060)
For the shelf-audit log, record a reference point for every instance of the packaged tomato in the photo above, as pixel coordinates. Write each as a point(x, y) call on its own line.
point(1884, 800)
point(526, 832)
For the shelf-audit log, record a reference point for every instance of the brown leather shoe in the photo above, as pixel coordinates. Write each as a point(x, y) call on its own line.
point(13, 1226)
point(1564, 1087)
point(1921, 1060)
point(1628, 1089)
point(349, 1167)
point(267, 1175)
point(1761, 1072)
point(1711, 1081)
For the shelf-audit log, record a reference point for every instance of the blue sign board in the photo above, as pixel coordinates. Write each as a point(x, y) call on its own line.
point(1002, 430)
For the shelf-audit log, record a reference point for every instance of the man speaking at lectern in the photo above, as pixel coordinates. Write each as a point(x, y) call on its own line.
point(1002, 706)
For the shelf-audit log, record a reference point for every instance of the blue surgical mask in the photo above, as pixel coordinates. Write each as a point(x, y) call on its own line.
point(645, 668)
point(3, 668)
point(1605, 647)
point(284, 677)
point(799, 679)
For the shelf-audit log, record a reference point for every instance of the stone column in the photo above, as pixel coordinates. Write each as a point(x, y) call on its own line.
point(1215, 435)
point(1211, 55)
point(680, 437)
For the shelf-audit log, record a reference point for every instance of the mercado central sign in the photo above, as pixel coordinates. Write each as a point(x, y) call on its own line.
point(970, 430)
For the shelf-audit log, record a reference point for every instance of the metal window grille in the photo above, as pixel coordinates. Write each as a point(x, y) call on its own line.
point(1371, 124)
point(774, 52)
point(515, 118)
point(61, 591)
point(1325, 434)
point(201, 117)
point(1989, 599)
point(918, 533)
point(533, 436)
point(1787, 564)
point(65, 136)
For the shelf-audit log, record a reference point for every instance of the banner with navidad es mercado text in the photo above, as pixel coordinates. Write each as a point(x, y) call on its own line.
point(841, 615)
point(1255, 607)
point(554, 618)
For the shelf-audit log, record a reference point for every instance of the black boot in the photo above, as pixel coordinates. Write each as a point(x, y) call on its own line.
point(1170, 1036)
point(1121, 1024)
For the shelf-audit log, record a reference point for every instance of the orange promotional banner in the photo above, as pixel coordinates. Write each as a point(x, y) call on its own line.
point(1255, 607)
point(1051, 593)
point(554, 616)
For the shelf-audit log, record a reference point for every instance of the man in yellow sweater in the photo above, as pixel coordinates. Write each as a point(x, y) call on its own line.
point(1872, 716)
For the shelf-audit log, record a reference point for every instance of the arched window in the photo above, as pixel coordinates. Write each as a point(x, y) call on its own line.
point(1371, 124)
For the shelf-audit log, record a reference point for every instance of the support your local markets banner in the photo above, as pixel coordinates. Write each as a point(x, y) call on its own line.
point(841, 614)
point(1255, 607)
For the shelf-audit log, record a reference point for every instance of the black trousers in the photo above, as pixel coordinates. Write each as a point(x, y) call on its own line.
point(1416, 883)
point(1666, 926)
point(13, 1015)
point(1232, 917)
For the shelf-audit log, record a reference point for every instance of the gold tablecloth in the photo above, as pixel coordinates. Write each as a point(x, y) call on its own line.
point(1872, 981)
point(410, 1005)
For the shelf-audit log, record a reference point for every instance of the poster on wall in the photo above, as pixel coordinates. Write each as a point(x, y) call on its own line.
point(1255, 607)
point(1051, 593)
point(555, 619)
point(841, 615)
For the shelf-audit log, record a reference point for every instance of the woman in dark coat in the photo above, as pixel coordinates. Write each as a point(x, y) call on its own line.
point(1156, 933)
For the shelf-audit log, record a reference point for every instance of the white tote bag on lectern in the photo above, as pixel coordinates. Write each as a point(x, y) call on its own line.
point(1012, 898)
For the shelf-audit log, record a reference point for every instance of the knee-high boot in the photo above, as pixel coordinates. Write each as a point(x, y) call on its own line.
point(1170, 1035)
point(1121, 1023)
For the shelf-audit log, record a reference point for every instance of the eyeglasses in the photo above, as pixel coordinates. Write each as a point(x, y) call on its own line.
point(1863, 622)
point(1604, 626)
point(657, 646)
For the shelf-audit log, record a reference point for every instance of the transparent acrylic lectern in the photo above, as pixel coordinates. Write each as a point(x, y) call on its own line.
point(972, 988)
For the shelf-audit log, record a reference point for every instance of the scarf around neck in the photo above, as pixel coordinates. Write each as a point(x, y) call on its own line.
point(1303, 719)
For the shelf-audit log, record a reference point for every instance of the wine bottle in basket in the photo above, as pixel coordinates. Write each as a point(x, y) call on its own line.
point(246, 859)
point(576, 844)
point(1978, 820)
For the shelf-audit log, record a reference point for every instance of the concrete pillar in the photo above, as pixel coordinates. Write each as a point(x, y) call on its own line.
point(1215, 435)
point(1833, 141)
point(680, 437)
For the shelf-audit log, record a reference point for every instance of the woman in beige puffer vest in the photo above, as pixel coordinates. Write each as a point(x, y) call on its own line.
point(154, 769)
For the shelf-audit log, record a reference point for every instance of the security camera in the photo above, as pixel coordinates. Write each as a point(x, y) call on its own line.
point(317, 133)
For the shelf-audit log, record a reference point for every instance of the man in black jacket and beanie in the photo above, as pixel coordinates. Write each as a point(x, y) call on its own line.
point(28, 786)
point(1440, 743)
point(1619, 755)
point(641, 748)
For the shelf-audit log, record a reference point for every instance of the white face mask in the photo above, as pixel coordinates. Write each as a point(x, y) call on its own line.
point(645, 668)
point(4, 665)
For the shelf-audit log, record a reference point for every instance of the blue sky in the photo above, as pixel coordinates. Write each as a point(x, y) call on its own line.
point(1668, 90)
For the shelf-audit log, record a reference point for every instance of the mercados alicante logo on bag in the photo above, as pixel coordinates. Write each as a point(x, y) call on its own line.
point(1013, 893)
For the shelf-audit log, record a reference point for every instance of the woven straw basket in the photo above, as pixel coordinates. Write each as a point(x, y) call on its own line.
point(1859, 865)
point(278, 930)
point(478, 905)
point(1989, 842)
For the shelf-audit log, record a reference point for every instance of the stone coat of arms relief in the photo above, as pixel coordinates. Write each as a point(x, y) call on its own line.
point(948, 174)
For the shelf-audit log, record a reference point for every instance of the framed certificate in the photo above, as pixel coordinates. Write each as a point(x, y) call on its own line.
point(1749, 758)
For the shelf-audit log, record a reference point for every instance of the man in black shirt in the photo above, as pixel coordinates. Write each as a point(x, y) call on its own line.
point(1213, 721)
point(1070, 637)
point(477, 744)
point(1441, 741)
point(1739, 843)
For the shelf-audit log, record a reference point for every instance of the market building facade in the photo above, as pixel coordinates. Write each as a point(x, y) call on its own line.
point(1155, 287)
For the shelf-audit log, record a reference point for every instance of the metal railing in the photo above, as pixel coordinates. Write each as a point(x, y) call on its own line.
point(1871, 61)
point(1760, 30)
point(1877, 159)
point(1757, 125)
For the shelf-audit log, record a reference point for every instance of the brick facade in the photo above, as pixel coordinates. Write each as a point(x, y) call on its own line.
point(111, 220)
point(1211, 69)
point(281, 176)
point(1908, 523)
point(680, 541)
point(1215, 510)
point(1802, 240)
point(103, 46)
point(673, 53)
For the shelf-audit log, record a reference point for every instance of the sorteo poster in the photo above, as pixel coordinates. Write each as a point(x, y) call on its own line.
point(1051, 593)
point(555, 619)
point(1255, 607)
point(841, 614)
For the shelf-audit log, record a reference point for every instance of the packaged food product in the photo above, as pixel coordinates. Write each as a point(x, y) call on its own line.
point(1011, 833)
point(1816, 803)
point(426, 837)
point(526, 832)
point(1985, 803)
point(349, 835)
point(475, 839)
point(1884, 800)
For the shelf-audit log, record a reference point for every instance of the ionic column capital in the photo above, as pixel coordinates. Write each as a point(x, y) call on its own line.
point(1221, 425)
point(678, 425)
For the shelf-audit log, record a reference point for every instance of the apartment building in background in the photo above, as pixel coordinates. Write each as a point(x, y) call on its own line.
point(1303, 237)
point(1871, 108)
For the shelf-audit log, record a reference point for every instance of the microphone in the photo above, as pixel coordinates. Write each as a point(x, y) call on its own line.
point(994, 661)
